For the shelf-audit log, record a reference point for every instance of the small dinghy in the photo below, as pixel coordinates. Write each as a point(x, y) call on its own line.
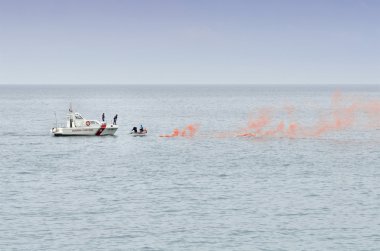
point(140, 133)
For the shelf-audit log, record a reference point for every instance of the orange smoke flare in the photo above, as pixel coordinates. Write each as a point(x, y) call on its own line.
point(341, 116)
point(188, 132)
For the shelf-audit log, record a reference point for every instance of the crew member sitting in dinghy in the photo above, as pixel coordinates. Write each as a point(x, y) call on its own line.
point(141, 132)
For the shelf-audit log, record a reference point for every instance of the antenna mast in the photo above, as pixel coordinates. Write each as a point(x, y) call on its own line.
point(56, 122)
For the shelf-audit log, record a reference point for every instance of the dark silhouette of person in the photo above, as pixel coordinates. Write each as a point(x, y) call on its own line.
point(103, 117)
point(114, 119)
point(134, 129)
point(141, 128)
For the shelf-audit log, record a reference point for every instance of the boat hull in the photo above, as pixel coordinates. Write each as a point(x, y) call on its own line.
point(85, 131)
point(138, 134)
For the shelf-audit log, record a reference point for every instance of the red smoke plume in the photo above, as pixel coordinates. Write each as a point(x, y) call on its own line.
point(189, 131)
point(341, 116)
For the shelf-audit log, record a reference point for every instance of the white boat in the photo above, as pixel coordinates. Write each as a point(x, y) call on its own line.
point(76, 125)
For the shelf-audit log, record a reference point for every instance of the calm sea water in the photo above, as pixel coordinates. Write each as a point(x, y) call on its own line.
point(203, 193)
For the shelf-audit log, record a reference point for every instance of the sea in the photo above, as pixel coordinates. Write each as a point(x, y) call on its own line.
point(264, 167)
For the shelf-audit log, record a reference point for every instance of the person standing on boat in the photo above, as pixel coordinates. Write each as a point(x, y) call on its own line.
point(141, 128)
point(103, 117)
point(114, 119)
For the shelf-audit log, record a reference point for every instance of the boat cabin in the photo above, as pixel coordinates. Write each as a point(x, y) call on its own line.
point(76, 120)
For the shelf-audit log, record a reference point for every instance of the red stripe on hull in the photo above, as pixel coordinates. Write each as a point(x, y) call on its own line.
point(101, 129)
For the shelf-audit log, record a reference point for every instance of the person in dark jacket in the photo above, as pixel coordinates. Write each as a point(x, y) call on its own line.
point(134, 129)
point(103, 117)
point(114, 119)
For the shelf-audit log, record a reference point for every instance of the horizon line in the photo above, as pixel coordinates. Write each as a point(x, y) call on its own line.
point(192, 84)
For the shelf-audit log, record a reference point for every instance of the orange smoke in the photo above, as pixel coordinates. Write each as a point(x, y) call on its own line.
point(188, 132)
point(341, 116)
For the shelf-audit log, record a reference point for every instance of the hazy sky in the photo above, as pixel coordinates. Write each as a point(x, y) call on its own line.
point(190, 42)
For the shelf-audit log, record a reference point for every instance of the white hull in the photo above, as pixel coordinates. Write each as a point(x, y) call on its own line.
point(86, 131)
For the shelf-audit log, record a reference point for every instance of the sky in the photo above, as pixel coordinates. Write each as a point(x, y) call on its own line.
point(190, 42)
